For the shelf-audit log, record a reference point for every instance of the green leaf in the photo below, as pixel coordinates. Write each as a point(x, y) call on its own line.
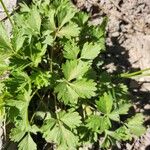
point(51, 18)
point(70, 92)
point(98, 123)
point(48, 40)
point(37, 52)
point(71, 50)
point(54, 131)
point(27, 143)
point(84, 88)
point(105, 103)
point(94, 123)
point(121, 134)
point(70, 30)
point(34, 20)
point(123, 109)
point(114, 116)
point(71, 119)
point(41, 79)
point(66, 14)
point(5, 42)
point(66, 93)
point(16, 134)
point(90, 51)
point(74, 69)
point(135, 124)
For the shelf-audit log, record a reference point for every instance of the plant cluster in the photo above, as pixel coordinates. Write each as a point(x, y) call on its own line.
point(56, 87)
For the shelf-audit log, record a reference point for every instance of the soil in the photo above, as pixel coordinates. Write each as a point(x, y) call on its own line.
point(128, 49)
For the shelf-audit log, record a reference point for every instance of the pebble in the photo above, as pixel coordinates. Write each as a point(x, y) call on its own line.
point(147, 106)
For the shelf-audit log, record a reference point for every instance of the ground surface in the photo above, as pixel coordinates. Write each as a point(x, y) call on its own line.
point(128, 48)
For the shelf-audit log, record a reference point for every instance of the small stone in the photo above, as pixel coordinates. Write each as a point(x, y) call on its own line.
point(147, 106)
point(115, 34)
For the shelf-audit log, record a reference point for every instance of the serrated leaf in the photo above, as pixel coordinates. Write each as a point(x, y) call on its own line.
point(84, 88)
point(34, 20)
point(51, 19)
point(74, 69)
point(71, 119)
point(70, 92)
point(90, 50)
point(48, 40)
point(57, 133)
point(41, 79)
point(121, 134)
point(114, 116)
point(27, 143)
point(70, 30)
point(94, 122)
point(16, 134)
point(135, 124)
point(98, 123)
point(105, 103)
point(71, 50)
point(66, 14)
point(5, 42)
point(123, 109)
point(66, 93)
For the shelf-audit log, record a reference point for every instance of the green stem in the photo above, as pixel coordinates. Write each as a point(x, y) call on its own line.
point(6, 11)
point(137, 73)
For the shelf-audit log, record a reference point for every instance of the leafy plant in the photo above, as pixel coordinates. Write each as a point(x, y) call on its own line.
point(55, 86)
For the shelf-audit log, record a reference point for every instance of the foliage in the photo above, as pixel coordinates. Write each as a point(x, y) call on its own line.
point(56, 87)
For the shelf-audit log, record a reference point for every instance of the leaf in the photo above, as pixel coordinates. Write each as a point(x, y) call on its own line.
point(71, 119)
point(66, 93)
point(37, 52)
point(114, 116)
point(123, 109)
point(90, 51)
point(71, 50)
point(98, 123)
point(121, 134)
point(41, 79)
point(74, 69)
point(135, 124)
point(27, 143)
point(16, 134)
point(34, 20)
point(94, 123)
point(70, 92)
point(70, 30)
point(84, 88)
point(54, 131)
point(105, 103)
point(48, 40)
point(5, 42)
point(65, 15)
point(51, 18)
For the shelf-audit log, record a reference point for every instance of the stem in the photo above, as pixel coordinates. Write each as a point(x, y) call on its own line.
point(51, 61)
point(6, 11)
point(137, 73)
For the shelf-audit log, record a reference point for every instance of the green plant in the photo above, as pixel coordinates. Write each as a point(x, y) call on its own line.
point(56, 87)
